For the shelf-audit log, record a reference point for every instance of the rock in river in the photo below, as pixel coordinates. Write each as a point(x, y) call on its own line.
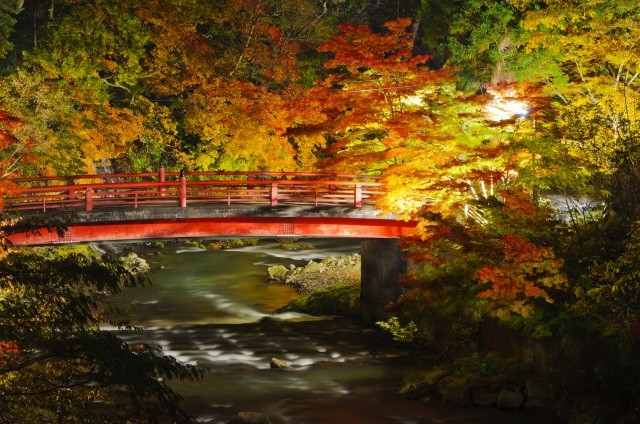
point(250, 418)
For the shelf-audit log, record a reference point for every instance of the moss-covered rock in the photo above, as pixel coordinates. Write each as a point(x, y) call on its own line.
point(341, 299)
point(279, 364)
point(277, 272)
point(313, 276)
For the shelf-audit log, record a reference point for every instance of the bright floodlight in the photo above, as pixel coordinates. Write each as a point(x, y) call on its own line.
point(505, 106)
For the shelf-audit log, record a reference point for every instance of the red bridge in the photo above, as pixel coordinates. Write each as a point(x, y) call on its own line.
point(206, 204)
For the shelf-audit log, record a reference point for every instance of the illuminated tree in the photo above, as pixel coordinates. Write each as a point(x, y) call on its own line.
point(241, 126)
point(115, 81)
point(13, 154)
point(390, 114)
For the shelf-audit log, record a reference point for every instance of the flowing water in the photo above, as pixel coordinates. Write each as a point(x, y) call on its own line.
point(214, 308)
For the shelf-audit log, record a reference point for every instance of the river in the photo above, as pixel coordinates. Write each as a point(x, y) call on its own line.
point(214, 308)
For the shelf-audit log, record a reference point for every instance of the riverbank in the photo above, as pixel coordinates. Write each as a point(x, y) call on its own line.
point(329, 287)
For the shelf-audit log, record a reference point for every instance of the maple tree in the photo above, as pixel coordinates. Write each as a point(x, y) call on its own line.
point(228, 117)
point(584, 59)
point(526, 272)
point(14, 153)
point(588, 59)
point(585, 144)
point(62, 88)
point(579, 144)
point(392, 115)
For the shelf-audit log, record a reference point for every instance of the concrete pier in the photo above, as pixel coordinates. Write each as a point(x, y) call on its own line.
point(382, 265)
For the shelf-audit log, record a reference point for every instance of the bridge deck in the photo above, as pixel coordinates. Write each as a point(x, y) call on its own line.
point(211, 221)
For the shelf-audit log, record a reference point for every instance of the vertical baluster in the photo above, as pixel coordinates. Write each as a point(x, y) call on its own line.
point(182, 190)
point(274, 194)
point(88, 199)
point(161, 179)
point(71, 193)
point(358, 195)
point(250, 192)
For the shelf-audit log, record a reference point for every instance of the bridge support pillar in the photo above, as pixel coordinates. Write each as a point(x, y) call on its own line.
point(382, 265)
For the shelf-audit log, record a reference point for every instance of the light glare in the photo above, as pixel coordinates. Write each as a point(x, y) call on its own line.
point(505, 106)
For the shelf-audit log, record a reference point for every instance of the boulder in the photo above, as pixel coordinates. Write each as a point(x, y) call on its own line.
point(312, 267)
point(425, 386)
point(484, 397)
point(328, 261)
point(279, 364)
point(533, 403)
point(433, 377)
point(444, 381)
point(135, 263)
point(250, 418)
point(509, 399)
point(277, 272)
point(457, 391)
point(268, 319)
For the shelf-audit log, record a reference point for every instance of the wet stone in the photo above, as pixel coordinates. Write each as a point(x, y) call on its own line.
point(457, 391)
point(433, 377)
point(485, 397)
point(276, 363)
point(509, 399)
point(250, 418)
point(277, 272)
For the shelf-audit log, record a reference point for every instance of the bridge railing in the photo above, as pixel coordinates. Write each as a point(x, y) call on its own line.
point(91, 192)
point(163, 175)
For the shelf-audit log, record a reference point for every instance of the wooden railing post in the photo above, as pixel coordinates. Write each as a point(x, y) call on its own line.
point(358, 196)
point(250, 177)
point(72, 191)
point(274, 194)
point(182, 190)
point(161, 179)
point(88, 199)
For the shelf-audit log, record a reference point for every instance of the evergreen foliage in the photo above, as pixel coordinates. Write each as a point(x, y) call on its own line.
point(57, 360)
point(8, 11)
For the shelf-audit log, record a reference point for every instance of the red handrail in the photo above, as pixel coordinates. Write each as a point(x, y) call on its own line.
point(181, 189)
point(222, 175)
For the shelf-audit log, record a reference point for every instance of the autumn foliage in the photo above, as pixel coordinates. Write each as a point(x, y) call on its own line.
point(12, 153)
point(526, 272)
point(513, 144)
